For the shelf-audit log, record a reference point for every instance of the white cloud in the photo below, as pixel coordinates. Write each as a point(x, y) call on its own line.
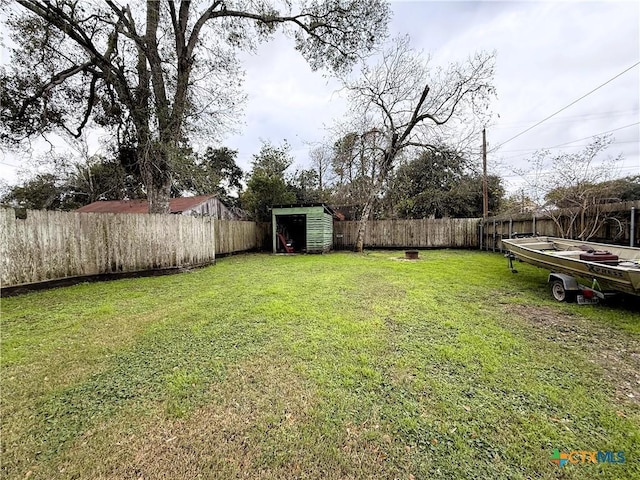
point(548, 54)
point(286, 100)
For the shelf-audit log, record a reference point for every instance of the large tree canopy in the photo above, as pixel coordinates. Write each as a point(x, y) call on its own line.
point(403, 103)
point(154, 71)
point(439, 184)
point(266, 183)
point(213, 172)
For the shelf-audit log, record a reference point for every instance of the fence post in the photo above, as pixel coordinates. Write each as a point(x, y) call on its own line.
point(535, 234)
point(480, 227)
point(486, 236)
point(494, 235)
point(632, 240)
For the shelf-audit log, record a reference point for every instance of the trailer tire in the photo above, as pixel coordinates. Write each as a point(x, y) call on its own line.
point(560, 293)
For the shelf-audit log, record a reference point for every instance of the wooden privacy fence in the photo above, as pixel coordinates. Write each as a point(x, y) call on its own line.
point(620, 224)
point(425, 233)
point(236, 236)
point(50, 245)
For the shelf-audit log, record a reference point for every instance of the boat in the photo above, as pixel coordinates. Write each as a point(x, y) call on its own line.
point(609, 269)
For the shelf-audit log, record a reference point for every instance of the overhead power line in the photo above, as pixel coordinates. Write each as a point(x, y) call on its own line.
point(517, 175)
point(569, 118)
point(574, 141)
point(9, 165)
point(596, 134)
point(571, 104)
point(527, 151)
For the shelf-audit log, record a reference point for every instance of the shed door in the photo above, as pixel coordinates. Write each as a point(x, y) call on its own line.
point(294, 230)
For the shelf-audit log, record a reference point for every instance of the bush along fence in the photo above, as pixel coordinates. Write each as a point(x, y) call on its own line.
point(425, 233)
point(50, 245)
point(614, 223)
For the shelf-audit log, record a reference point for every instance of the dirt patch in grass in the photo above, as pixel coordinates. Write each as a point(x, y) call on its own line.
point(616, 352)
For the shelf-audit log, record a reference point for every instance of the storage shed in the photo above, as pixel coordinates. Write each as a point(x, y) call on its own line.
point(302, 228)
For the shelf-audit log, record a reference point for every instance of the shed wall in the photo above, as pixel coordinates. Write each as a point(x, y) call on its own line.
point(319, 227)
point(328, 232)
point(315, 230)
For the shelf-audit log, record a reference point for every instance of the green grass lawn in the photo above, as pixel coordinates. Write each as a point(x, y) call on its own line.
point(332, 366)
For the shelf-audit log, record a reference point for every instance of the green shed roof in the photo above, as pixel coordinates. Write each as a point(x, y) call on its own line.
point(326, 207)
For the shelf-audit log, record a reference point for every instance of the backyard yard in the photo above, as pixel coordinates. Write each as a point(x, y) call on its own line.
point(338, 366)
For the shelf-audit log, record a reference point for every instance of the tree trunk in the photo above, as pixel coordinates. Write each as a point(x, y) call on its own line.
point(366, 213)
point(377, 188)
point(583, 228)
point(155, 170)
point(362, 224)
point(158, 198)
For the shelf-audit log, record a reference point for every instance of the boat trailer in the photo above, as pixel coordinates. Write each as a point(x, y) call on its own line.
point(566, 288)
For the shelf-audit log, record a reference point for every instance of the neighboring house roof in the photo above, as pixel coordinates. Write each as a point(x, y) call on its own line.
point(176, 205)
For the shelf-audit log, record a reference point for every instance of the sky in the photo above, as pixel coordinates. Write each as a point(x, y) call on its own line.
point(549, 54)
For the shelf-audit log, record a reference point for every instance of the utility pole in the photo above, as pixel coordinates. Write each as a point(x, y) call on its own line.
point(485, 192)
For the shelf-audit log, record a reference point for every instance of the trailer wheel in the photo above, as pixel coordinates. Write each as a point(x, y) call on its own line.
point(560, 293)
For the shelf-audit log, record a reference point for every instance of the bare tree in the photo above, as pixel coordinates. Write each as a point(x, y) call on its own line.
point(411, 105)
point(355, 161)
point(320, 157)
point(155, 71)
point(572, 188)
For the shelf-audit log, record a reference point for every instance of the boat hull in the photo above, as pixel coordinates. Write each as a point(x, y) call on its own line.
point(563, 256)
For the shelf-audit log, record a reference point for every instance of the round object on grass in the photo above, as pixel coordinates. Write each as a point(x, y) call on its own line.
point(560, 293)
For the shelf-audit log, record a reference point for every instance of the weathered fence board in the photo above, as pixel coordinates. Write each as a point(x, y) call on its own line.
point(425, 233)
point(236, 236)
point(615, 227)
point(50, 245)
